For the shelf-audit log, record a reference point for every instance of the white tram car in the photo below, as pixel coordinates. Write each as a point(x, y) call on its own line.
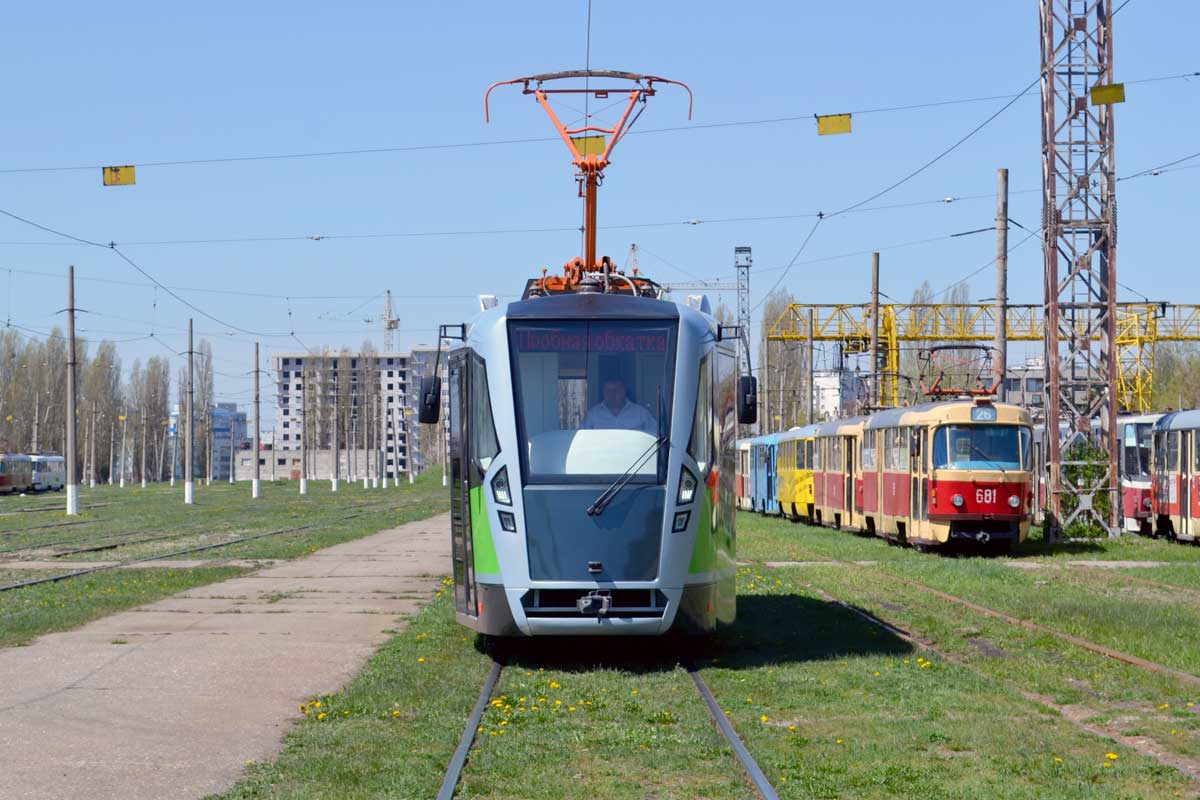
point(592, 463)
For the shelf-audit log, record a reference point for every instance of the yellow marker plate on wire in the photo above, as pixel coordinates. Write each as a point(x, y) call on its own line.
point(833, 123)
point(1108, 94)
point(589, 145)
point(120, 176)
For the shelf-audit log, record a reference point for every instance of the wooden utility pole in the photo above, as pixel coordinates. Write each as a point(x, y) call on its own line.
point(876, 385)
point(1002, 282)
point(189, 484)
point(254, 486)
point(72, 445)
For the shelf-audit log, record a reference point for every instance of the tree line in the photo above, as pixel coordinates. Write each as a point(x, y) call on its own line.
point(33, 403)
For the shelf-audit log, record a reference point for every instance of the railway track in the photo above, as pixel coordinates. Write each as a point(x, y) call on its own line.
point(175, 553)
point(458, 762)
point(1078, 641)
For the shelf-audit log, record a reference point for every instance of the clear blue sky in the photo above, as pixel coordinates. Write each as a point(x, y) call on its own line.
point(133, 83)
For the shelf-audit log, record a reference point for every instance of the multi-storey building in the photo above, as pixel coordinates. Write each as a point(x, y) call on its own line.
point(325, 380)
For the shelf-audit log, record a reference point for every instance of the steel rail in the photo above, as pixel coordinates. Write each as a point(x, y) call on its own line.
point(18, 531)
point(1078, 641)
point(764, 788)
point(459, 759)
point(172, 554)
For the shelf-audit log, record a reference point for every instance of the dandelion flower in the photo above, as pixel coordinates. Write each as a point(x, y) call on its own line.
point(321, 715)
point(479, 729)
point(727, 712)
point(249, 761)
point(839, 741)
point(1164, 706)
point(792, 728)
point(1189, 705)
point(570, 708)
point(421, 660)
point(1057, 760)
point(764, 718)
point(316, 703)
point(1111, 756)
point(635, 691)
point(396, 713)
point(558, 702)
point(1107, 764)
point(876, 674)
point(503, 722)
point(555, 685)
point(303, 708)
point(493, 733)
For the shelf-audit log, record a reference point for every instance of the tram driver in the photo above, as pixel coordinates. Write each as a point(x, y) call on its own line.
point(616, 411)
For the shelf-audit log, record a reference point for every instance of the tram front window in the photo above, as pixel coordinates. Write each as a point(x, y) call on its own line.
point(592, 397)
point(1135, 446)
point(981, 447)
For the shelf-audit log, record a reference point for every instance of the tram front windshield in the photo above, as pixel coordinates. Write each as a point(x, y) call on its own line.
point(1135, 447)
point(981, 447)
point(592, 398)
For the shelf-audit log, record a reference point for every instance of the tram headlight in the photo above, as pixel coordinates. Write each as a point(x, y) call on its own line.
point(500, 488)
point(508, 521)
point(957, 500)
point(687, 486)
point(681, 521)
point(1014, 501)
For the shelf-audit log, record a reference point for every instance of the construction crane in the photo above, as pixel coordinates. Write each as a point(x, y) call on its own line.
point(1140, 326)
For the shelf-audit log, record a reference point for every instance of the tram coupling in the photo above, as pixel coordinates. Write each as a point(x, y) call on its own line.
point(595, 603)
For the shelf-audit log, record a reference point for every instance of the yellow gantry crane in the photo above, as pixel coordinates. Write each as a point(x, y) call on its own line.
point(1140, 326)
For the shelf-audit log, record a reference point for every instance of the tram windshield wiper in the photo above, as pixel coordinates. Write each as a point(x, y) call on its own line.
point(600, 503)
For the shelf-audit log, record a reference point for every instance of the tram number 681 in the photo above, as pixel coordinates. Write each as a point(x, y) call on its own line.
point(985, 495)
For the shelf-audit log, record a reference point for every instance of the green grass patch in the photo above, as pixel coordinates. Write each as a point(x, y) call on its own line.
point(30, 612)
point(122, 521)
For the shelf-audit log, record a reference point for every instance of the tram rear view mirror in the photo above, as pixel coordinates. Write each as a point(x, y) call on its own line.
point(747, 402)
point(431, 399)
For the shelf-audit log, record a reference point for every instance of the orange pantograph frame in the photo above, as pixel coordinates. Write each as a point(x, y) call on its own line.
point(590, 167)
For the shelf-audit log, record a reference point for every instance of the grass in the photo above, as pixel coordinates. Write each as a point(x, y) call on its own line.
point(121, 519)
point(829, 704)
point(28, 613)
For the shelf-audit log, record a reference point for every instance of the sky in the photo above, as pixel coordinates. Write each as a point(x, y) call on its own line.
point(139, 83)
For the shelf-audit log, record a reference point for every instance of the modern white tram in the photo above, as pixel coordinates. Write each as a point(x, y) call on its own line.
point(592, 463)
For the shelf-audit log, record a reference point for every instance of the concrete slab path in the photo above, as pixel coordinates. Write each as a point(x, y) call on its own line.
point(171, 699)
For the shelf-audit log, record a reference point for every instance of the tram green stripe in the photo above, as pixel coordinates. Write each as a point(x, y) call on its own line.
point(704, 551)
point(481, 535)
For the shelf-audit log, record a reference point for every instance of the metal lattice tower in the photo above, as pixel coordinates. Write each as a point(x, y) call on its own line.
point(1079, 237)
point(742, 260)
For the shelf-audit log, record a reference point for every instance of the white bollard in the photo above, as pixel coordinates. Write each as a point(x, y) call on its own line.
point(254, 488)
point(304, 486)
point(333, 484)
point(189, 492)
point(73, 500)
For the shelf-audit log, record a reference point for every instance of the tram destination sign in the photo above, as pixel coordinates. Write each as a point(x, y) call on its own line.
point(610, 340)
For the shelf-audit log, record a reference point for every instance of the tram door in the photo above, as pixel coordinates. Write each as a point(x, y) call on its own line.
point(1185, 483)
point(849, 496)
point(920, 483)
point(460, 483)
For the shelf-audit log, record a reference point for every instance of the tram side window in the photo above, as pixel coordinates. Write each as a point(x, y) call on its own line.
point(700, 446)
point(818, 454)
point(1160, 452)
point(484, 444)
point(1173, 451)
point(868, 449)
point(835, 453)
point(808, 454)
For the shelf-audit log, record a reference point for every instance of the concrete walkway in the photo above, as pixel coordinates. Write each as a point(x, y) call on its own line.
point(208, 678)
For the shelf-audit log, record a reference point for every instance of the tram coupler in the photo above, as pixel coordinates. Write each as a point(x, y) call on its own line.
point(594, 603)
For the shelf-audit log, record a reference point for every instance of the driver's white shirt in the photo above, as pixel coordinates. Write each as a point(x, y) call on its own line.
point(632, 417)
